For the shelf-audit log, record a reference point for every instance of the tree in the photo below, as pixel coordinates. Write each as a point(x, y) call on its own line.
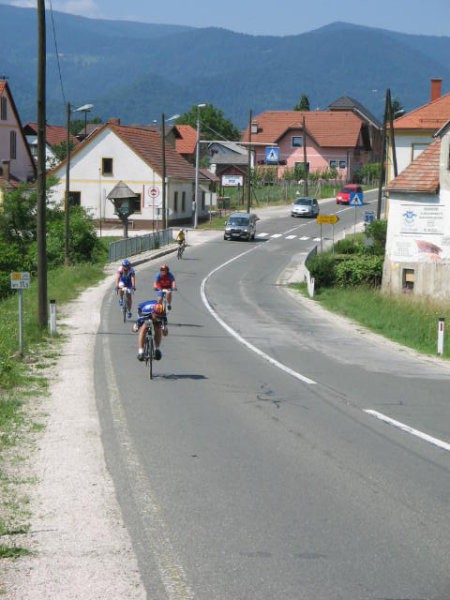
point(213, 125)
point(77, 125)
point(397, 108)
point(60, 150)
point(303, 104)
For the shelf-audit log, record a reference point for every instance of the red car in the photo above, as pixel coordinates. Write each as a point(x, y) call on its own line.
point(343, 196)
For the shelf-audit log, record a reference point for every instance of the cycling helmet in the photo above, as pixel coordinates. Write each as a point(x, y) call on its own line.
point(126, 263)
point(164, 267)
point(158, 309)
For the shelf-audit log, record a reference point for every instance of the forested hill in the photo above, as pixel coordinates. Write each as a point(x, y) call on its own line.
point(136, 71)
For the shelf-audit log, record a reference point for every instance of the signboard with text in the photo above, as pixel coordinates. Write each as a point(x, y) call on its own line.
point(329, 219)
point(152, 196)
point(20, 281)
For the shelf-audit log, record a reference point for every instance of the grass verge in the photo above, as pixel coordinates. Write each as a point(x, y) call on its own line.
point(22, 381)
point(408, 320)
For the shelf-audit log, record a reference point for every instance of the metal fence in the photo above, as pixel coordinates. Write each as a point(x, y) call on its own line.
point(137, 244)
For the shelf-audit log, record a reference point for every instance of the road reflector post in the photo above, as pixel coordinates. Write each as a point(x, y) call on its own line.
point(441, 327)
point(20, 281)
point(52, 317)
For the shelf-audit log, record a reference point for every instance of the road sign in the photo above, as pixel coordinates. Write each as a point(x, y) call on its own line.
point(329, 219)
point(20, 281)
point(356, 199)
point(272, 155)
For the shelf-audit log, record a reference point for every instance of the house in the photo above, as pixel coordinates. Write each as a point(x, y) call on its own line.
point(55, 135)
point(14, 149)
point(133, 155)
point(229, 161)
point(417, 257)
point(338, 139)
point(415, 130)
point(184, 138)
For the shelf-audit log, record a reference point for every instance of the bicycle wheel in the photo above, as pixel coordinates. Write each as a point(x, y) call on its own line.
point(151, 352)
point(124, 308)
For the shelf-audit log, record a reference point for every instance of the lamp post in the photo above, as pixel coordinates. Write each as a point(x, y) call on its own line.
point(164, 174)
point(85, 108)
point(197, 160)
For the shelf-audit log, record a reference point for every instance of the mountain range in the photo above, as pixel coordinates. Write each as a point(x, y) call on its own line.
point(137, 71)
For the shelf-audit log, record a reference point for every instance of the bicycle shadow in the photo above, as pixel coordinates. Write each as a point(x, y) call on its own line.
point(179, 376)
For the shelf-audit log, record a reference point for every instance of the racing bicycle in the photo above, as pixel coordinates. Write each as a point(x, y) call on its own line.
point(149, 348)
point(181, 248)
point(124, 307)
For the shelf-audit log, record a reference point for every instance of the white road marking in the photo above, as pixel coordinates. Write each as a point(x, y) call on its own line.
point(276, 235)
point(235, 334)
point(304, 238)
point(420, 434)
point(316, 239)
point(262, 234)
point(290, 237)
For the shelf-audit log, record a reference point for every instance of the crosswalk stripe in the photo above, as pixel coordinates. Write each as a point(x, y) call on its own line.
point(316, 239)
point(290, 237)
point(305, 237)
point(262, 234)
point(276, 235)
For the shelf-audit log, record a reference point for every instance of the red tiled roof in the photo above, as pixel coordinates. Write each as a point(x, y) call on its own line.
point(431, 116)
point(188, 140)
point(422, 175)
point(329, 129)
point(54, 134)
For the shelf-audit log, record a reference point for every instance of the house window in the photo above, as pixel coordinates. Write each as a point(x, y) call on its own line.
point(342, 164)
point(333, 164)
point(408, 280)
point(203, 201)
point(107, 166)
point(183, 201)
point(175, 202)
point(12, 144)
point(4, 109)
point(135, 204)
point(297, 141)
point(74, 198)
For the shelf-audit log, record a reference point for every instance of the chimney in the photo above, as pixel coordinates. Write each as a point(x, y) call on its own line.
point(5, 169)
point(436, 88)
point(113, 121)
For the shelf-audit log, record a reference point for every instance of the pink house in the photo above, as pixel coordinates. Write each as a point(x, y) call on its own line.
point(16, 162)
point(330, 139)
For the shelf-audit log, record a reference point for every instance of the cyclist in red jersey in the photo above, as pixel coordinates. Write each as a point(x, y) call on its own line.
point(165, 280)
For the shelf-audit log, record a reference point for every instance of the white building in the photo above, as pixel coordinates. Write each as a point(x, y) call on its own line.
point(134, 155)
point(417, 258)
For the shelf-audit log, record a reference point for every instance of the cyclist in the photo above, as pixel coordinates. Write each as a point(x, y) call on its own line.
point(126, 278)
point(151, 310)
point(165, 280)
point(181, 237)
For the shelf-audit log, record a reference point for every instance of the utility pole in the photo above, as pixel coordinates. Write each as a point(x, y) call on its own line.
point(41, 175)
point(67, 194)
point(391, 133)
point(249, 164)
point(305, 161)
point(163, 142)
point(383, 157)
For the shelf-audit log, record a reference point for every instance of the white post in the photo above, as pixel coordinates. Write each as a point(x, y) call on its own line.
point(20, 323)
point(52, 317)
point(441, 326)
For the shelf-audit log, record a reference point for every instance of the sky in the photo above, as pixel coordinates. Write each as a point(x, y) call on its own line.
point(267, 17)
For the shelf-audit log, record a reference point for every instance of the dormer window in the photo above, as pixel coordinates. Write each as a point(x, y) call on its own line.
point(254, 127)
point(297, 141)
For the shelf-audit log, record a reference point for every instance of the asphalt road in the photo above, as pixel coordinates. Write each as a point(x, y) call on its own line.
point(250, 467)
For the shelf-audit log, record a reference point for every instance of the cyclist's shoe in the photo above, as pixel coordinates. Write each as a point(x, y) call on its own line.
point(169, 307)
point(140, 356)
point(129, 315)
point(120, 302)
point(158, 354)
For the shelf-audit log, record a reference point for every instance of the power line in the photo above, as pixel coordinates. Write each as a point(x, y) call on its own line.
point(57, 52)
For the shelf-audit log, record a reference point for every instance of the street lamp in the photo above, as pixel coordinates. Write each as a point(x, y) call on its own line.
point(197, 159)
point(85, 108)
point(164, 177)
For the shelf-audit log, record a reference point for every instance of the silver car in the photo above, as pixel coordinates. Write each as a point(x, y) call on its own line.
point(305, 207)
point(240, 226)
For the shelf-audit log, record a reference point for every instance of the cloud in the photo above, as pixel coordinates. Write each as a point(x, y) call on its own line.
point(84, 8)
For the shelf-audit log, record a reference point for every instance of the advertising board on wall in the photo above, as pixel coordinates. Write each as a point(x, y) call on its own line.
point(419, 232)
point(232, 180)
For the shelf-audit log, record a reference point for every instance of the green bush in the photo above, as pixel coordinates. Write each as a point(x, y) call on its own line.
point(322, 268)
point(83, 240)
point(359, 270)
point(377, 231)
point(349, 245)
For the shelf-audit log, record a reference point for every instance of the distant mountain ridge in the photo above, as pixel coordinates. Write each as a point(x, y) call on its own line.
point(136, 71)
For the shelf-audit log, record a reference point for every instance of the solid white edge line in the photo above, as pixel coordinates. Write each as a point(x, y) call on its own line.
point(234, 333)
point(424, 436)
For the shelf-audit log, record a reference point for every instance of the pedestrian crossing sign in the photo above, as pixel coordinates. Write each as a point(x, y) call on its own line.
point(272, 155)
point(356, 199)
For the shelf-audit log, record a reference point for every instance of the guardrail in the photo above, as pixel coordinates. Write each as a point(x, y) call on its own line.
point(137, 244)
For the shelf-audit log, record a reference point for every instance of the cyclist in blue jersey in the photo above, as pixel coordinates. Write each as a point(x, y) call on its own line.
point(151, 310)
point(126, 278)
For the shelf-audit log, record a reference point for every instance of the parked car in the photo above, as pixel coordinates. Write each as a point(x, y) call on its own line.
point(240, 226)
point(343, 196)
point(305, 207)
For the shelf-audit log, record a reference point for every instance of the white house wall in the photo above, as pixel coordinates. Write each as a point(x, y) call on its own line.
point(86, 177)
point(21, 166)
point(407, 148)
